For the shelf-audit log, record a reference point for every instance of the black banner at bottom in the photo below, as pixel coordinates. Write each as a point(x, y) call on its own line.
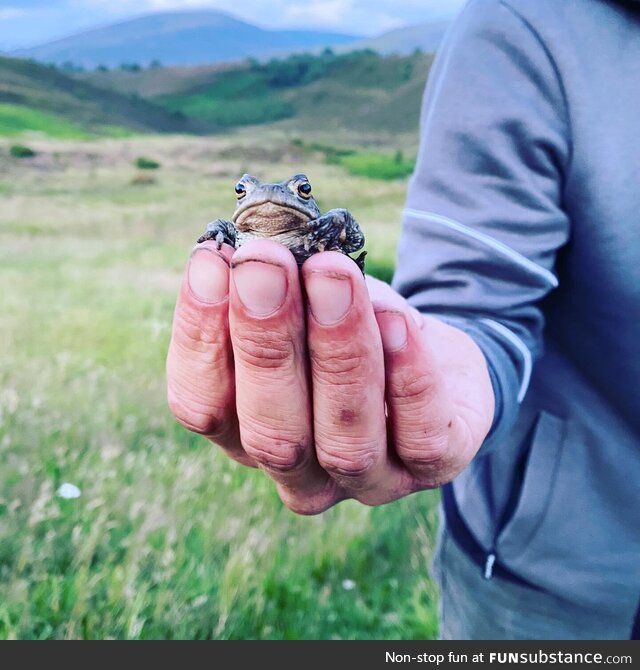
point(342, 654)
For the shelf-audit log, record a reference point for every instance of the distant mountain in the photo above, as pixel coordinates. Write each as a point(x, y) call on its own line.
point(178, 38)
point(39, 97)
point(424, 36)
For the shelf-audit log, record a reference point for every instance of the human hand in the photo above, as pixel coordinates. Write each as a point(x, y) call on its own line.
point(331, 384)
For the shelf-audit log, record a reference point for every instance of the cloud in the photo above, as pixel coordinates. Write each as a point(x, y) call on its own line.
point(432, 7)
point(322, 11)
point(345, 16)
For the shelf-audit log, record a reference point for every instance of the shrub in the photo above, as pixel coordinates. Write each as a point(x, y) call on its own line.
point(20, 151)
point(377, 166)
point(363, 163)
point(143, 163)
point(143, 180)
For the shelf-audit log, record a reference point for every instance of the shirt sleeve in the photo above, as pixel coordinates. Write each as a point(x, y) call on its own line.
point(484, 218)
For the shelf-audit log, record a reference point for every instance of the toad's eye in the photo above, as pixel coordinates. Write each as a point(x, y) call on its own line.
point(305, 190)
point(241, 191)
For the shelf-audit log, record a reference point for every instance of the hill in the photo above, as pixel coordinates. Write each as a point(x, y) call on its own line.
point(156, 81)
point(178, 38)
point(360, 91)
point(41, 98)
point(425, 36)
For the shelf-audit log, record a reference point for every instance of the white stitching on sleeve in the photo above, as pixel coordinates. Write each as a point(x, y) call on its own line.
point(521, 347)
point(489, 241)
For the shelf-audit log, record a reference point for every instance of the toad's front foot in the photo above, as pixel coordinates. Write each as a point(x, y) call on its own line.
point(360, 261)
point(222, 231)
point(336, 230)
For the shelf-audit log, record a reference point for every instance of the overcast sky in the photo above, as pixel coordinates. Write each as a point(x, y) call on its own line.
point(29, 22)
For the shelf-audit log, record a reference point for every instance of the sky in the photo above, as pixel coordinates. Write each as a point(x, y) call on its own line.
point(29, 22)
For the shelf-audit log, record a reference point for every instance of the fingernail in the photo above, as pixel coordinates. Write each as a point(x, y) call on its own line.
point(261, 287)
point(208, 276)
point(417, 317)
point(329, 297)
point(393, 329)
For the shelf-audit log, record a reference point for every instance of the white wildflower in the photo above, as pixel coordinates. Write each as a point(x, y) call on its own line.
point(348, 584)
point(68, 491)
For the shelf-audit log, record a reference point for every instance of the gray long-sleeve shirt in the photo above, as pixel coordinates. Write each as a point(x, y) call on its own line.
point(522, 227)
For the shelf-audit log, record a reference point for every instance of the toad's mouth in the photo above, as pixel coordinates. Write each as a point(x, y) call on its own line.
point(270, 218)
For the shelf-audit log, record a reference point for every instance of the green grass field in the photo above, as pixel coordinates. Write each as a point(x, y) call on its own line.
point(40, 99)
point(169, 539)
point(17, 119)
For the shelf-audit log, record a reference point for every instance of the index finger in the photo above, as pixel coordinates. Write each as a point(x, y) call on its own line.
point(200, 376)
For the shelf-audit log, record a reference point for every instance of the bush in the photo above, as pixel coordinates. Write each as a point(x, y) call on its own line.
point(363, 163)
point(333, 155)
point(20, 151)
point(377, 166)
point(143, 163)
point(143, 180)
point(297, 69)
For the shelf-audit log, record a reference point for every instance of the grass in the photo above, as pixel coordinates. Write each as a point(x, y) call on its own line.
point(169, 539)
point(40, 99)
point(362, 163)
point(238, 97)
point(18, 119)
point(377, 165)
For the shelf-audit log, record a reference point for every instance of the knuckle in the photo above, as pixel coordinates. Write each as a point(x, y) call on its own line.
point(196, 329)
point(434, 478)
point(416, 457)
point(414, 387)
point(428, 453)
point(341, 363)
point(303, 505)
point(274, 449)
point(263, 349)
point(282, 462)
point(201, 421)
point(353, 465)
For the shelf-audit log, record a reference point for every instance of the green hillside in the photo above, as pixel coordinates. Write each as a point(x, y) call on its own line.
point(39, 98)
point(153, 82)
point(361, 91)
point(357, 93)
